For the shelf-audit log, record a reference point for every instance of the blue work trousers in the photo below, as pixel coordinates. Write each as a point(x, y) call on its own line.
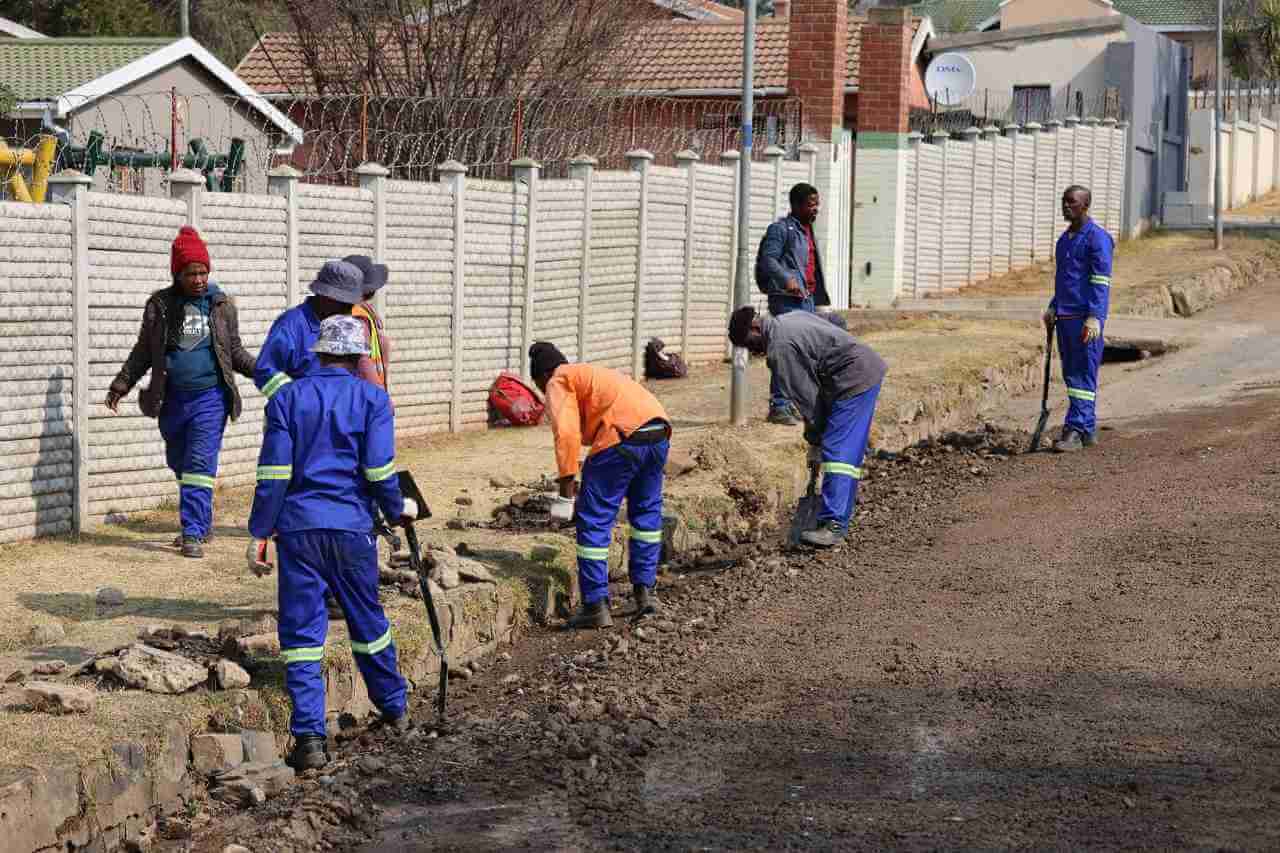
point(844, 443)
point(1080, 364)
point(192, 424)
point(626, 471)
point(779, 305)
point(311, 563)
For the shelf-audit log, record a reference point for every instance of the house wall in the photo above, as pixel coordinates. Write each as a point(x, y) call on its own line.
point(1030, 13)
point(598, 263)
point(1203, 51)
point(1075, 60)
point(139, 116)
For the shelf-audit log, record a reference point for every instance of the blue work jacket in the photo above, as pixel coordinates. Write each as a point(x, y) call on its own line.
point(327, 453)
point(783, 254)
point(1082, 283)
point(286, 353)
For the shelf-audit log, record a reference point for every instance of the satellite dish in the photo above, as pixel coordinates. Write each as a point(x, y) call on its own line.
point(950, 78)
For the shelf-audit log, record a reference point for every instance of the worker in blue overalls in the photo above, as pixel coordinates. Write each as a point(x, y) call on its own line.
point(1081, 294)
point(328, 454)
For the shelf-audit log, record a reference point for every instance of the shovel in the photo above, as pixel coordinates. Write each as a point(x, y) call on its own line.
point(1044, 399)
point(409, 489)
point(806, 517)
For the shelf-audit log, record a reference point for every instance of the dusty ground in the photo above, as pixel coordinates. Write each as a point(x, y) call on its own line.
point(977, 670)
point(1267, 206)
point(1141, 266)
point(936, 364)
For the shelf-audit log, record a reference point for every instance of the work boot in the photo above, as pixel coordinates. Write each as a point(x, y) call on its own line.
point(308, 753)
point(827, 535)
point(396, 725)
point(191, 547)
point(203, 540)
point(335, 609)
point(1090, 439)
point(646, 598)
point(593, 615)
point(783, 416)
point(1070, 442)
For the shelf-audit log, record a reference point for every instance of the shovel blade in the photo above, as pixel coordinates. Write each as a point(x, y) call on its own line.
point(806, 518)
point(1039, 433)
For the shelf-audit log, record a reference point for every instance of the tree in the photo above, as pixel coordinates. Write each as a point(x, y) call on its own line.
point(1251, 39)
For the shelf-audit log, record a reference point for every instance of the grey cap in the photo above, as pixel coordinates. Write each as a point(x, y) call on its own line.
point(340, 281)
point(342, 334)
point(375, 275)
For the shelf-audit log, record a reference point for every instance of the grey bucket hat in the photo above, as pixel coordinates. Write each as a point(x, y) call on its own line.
point(342, 334)
point(375, 275)
point(340, 281)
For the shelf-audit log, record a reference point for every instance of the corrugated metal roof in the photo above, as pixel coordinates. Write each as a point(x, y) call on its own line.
point(43, 69)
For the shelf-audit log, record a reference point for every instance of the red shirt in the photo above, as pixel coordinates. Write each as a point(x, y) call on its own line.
point(811, 266)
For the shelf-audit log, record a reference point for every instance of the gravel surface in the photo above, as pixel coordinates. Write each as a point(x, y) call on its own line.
point(1016, 651)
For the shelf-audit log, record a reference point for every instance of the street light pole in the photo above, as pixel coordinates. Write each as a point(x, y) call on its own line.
point(742, 286)
point(1217, 139)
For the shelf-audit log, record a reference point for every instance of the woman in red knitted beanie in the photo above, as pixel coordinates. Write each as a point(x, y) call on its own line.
point(190, 341)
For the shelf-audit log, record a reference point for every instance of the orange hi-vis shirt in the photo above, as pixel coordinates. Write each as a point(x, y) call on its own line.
point(596, 406)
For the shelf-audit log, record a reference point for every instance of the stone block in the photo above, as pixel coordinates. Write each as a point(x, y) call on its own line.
point(35, 805)
point(158, 671)
point(259, 747)
point(229, 675)
point(59, 698)
point(216, 753)
point(117, 788)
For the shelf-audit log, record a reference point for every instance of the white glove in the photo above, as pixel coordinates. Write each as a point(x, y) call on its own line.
point(1092, 330)
point(1048, 318)
point(410, 508)
point(815, 455)
point(257, 558)
point(562, 508)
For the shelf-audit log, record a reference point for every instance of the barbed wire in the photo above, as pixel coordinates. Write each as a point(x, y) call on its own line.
point(1000, 108)
point(237, 141)
point(1239, 97)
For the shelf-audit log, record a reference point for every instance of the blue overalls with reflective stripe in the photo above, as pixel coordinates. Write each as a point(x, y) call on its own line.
point(327, 451)
point(1082, 289)
point(286, 353)
point(844, 443)
point(633, 470)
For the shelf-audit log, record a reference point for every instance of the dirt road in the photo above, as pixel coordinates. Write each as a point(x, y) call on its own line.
point(1015, 652)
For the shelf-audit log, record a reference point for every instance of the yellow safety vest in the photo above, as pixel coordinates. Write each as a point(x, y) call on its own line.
point(366, 311)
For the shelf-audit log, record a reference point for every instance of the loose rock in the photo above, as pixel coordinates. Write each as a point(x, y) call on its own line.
point(52, 667)
point(212, 754)
point(544, 553)
point(463, 500)
point(158, 671)
point(46, 634)
point(501, 481)
point(59, 698)
point(229, 675)
point(110, 596)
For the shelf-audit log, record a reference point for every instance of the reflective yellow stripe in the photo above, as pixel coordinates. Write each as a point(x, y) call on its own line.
point(377, 475)
point(647, 535)
point(372, 648)
point(198, 480)
point(275, 472)
point(1103, 280)
point(1081, 394)
point(309, 654)
point(275, 384)
point(841, 468)
point(587, 553)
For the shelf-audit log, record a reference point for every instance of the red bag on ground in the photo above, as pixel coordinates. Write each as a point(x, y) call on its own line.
point(514, 402)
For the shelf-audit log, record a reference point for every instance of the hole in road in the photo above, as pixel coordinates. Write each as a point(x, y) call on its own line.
point(1121, 354)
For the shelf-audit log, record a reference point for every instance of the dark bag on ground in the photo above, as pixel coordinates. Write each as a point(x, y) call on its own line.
point(513, 402)
point(663, 365)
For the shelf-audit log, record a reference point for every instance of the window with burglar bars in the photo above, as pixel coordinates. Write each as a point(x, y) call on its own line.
point(1032, 103)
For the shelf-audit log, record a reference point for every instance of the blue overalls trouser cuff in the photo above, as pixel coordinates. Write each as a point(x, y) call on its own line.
point(626, 471)
point(311, 563)
point(192, 424)
point(844, 444)
point(1080, 365)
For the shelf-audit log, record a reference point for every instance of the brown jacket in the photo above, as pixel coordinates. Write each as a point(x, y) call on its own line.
point(161, 324)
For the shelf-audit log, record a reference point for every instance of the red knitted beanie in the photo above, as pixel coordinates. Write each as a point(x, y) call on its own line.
point(188, 248)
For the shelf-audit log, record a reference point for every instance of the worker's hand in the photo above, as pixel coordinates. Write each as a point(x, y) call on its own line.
point(814, 457)
point(1048, 318)
point(562, 508)
point(794, 288)
point(113, 402)
point(1092, 330)
point(409, 514)
point(257, 558)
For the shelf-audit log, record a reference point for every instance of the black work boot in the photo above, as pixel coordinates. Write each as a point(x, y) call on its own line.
point(783, 416)
point(204, 540)
point(1090, 439)
point(827, 535)
point(191, 547)
point(646, 598)
point(594, 615)
point(396, 725)
point(1070, 442)
point(308, 753)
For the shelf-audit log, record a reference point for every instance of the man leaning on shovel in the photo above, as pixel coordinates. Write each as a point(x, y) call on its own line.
point(834, 381)
point(1078, 310)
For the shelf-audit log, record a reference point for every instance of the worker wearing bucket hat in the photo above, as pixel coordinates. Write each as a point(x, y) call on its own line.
point(329, 446)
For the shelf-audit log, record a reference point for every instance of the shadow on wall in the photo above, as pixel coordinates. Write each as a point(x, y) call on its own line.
point(52, 472)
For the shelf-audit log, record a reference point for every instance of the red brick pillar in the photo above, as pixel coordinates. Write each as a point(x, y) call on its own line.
point(885, 73)
point(816, 62)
